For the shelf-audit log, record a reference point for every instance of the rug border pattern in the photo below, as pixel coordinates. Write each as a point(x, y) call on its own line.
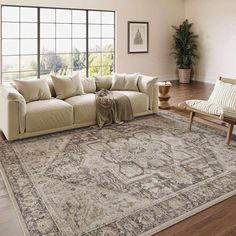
point(152, 231)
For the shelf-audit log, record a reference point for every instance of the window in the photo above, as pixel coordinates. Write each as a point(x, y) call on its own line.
point(19, 43)
point(39, 41)
point(101, 42)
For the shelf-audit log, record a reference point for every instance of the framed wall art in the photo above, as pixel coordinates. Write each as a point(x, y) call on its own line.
point(138, 36)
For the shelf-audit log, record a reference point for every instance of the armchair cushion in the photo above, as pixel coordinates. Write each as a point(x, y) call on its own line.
point(224, 94)
point(205, 106)
point(212, 108)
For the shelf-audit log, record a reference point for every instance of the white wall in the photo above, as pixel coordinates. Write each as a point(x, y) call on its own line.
point(215, 23)
point(160, 14)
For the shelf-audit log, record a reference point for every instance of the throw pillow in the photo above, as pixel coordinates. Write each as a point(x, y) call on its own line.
point(118, 81)
point(89, 85)
point(66, 87)
point(224, 94)
point(131, 82)
point(33, 90)
point(103, 82)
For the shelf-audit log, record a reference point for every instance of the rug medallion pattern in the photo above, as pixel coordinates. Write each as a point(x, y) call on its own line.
point(120, 180)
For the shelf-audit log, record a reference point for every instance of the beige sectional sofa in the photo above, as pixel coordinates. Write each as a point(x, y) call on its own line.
point(19, 119)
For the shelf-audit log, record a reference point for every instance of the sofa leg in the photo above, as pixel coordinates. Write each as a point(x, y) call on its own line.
point(191, 120)
point(229, 133)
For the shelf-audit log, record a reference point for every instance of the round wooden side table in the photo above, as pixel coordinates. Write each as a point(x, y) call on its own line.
point(164, 97)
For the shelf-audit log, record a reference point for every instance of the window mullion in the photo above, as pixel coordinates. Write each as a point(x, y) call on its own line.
point(101, 69)
point(19, 42)
point(38, 42)
point(87, 46)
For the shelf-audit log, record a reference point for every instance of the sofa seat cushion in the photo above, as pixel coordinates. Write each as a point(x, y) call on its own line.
point(48, 114)
point(84, 108)
point(139, 101)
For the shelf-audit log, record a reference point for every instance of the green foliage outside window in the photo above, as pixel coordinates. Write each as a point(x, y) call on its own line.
point(99, 64)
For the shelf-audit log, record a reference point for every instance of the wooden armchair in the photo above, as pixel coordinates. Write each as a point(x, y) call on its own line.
point(219, 111)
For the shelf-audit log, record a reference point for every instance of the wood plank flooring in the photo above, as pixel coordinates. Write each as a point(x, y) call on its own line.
point(9, 224)
point(219, 220)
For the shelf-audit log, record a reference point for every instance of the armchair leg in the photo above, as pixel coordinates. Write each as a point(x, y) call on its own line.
point(191, 120)
point(229, 133)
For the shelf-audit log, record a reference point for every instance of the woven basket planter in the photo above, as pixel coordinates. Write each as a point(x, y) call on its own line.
point(184, 75)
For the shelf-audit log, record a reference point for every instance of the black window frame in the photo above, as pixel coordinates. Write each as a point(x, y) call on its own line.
point(71, 38)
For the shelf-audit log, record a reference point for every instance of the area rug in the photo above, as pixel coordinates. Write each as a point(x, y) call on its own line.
point(132, 179)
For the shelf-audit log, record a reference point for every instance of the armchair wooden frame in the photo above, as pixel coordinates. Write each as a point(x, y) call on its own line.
point(226, 125)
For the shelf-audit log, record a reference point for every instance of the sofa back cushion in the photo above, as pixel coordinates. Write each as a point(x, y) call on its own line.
point(118, 81)
point(103, 82)
point(131, 82)
point(33, 90)
point(125, 82)
point(228, 80)
point(89, 85)
point(224, 94)
point(66, 87)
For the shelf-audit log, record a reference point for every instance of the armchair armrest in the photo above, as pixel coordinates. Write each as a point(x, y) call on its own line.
point(12, 112)
point(149, 86)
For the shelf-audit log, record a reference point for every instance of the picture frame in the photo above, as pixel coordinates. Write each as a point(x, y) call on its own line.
point(138, 37)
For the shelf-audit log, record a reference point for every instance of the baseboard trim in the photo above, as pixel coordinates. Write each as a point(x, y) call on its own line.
point(173, 77)
point(170, 77)
point(203, 80)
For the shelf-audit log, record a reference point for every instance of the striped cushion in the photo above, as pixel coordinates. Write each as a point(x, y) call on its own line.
point(224, 94)
point(212, 108)
point(205, 106)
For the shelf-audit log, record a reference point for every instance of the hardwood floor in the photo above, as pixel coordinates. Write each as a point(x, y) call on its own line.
point(9, 224)
point(219, 220)
point(182, 92)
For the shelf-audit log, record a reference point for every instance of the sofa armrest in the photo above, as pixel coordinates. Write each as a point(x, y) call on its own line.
point(149, 86)
point(155, 105)
point(12, 112)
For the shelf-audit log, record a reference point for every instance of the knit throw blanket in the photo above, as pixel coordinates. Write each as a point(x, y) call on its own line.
point(112, 107)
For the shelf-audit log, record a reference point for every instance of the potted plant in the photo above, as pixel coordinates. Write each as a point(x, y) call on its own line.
point(184, 50)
